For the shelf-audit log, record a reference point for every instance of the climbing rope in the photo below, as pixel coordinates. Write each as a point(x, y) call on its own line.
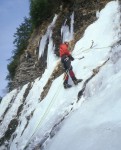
point(93, 47)
point(85, 49)
point(54, 99)
point(45, 113)
point(102, 47)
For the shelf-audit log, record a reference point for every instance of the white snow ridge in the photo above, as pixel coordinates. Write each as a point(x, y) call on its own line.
point(61, 121)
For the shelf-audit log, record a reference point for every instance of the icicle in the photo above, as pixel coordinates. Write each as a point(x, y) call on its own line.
point(72, 26)
point(97, 14)
point(50, 51)
point(46, 36)
point(66, 33)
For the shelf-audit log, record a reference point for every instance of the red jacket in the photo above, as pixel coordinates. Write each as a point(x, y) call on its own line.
point(64, 50)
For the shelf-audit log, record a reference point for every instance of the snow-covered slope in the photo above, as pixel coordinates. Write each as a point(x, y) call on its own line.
point(61, 121)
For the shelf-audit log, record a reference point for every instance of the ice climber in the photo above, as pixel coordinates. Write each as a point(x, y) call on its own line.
point(66, 59)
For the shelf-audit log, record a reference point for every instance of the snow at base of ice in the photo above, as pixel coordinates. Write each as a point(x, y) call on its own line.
point(6, 100)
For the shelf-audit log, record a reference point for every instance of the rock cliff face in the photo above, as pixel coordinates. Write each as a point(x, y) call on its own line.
point(84, 14)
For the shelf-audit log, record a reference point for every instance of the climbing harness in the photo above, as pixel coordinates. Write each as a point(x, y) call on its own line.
point(55, 95)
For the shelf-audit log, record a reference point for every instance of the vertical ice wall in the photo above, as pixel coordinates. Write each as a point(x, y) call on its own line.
point(46, 36)
point(66, 32)
point(59, 99)
point(51, 58)
point(120, 17)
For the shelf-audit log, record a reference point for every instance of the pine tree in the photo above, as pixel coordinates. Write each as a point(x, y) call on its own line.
point(42, 9)
point(39, 10)
point(21, 36)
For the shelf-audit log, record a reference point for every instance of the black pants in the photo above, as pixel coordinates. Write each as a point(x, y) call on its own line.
point(68, 68)
point(66, 63)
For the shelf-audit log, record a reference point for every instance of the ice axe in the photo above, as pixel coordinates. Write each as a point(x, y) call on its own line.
point(79, 58)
